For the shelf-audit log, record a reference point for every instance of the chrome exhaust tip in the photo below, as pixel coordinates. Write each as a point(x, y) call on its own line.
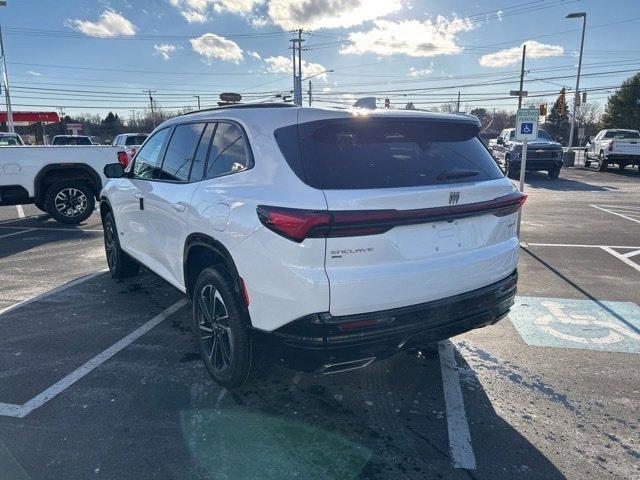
point(346, 366)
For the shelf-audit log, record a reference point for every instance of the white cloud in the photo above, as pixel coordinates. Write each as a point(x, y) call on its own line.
point(259, 22)
point(414, 38)
point(198, 11)
point(165, 50)
point(211, 46)
point(110, 24)
point(499, 15)
point(254, 54)
point(33, 73)
point(511, 56)
point(281, 64)
point(421, 72)
point(317, 14)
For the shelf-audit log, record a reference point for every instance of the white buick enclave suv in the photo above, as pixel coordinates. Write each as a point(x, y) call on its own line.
point(329, 238)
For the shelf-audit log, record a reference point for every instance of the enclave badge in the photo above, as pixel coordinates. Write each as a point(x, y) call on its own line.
point(454, 197)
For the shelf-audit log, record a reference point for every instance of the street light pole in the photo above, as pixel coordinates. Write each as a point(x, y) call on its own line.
point(198, 97)
point(582, 15)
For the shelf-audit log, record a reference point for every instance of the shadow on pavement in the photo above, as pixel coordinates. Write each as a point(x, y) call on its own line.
point(152, 411)
point(539, 180)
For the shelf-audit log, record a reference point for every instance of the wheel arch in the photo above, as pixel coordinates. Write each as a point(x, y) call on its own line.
point(202, 251)
point(65, 171)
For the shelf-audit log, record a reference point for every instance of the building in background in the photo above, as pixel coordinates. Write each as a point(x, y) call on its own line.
point(30, 125)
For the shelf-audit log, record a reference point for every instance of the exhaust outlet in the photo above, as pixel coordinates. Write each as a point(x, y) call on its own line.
point(346, 366)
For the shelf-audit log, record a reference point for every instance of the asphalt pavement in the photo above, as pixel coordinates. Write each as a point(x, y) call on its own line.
point(101, 378)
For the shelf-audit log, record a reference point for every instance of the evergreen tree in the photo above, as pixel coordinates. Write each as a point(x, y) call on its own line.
point(623, 109)
point(557, 121)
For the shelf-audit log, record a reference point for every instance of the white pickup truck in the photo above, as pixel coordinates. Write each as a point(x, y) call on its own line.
point(614, 146)
point(62, 181)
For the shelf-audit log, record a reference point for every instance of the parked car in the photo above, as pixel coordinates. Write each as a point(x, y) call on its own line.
point(62, 181)
point(327, 238)
point(131, 142)
point(10, 139)
point(71, 140)
point(542, 154)
point(614, 146)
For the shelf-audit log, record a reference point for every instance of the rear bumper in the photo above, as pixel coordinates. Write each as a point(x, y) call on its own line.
point(325, 342)
point(628, 159)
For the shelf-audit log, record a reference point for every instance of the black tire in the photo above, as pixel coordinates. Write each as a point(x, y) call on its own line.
point(69, 201)
point(120, 264)
point(621, 166)
point(587, 163)
point(602, 162)
point(218, 325)
point(554, 173)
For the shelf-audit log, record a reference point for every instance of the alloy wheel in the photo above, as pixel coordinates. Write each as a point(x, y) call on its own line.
point(216, 337)
point(71, 202)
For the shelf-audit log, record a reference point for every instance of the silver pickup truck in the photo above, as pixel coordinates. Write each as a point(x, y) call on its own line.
point(614, 146)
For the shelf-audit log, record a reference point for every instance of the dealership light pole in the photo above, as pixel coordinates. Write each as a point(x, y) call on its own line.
point(5, 79)
point(582, 15)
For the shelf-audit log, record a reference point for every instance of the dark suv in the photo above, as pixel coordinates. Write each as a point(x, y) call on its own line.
point(542, 154)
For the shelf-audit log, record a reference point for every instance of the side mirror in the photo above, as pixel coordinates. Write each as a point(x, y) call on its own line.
point(500, 141)
point(114, 170)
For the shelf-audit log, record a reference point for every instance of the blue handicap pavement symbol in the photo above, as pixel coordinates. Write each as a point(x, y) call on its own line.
point(582, 324)
point(526, 128)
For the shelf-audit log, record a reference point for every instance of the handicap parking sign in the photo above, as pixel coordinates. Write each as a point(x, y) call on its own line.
point(527, 124)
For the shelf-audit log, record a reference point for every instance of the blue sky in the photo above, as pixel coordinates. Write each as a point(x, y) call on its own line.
point(99, 56)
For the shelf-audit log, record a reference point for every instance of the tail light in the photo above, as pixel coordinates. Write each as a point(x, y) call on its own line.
point(123, 158)
point(611, 146)
point(298, 224)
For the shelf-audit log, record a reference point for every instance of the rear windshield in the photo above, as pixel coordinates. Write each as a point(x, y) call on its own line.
point(72, 141)
point(385, 153)
point(622, 134)
point(135, 140)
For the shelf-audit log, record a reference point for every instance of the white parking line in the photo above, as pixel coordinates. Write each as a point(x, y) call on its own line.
point(20, 211)
point(573, 245)
point(57, 289)
point(53, 229)
point(17, 233)
point(631, 254)
point(21, 411)
point(460, 446)
point(622, 258)
point(616, 213)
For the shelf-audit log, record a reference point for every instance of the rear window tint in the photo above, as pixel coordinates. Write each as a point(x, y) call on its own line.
point(135, 140)
point(385, 153)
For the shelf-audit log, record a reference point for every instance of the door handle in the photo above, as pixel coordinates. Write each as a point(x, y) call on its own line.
point(178, 207)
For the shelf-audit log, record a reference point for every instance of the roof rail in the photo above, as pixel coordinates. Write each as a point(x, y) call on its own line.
point(242, 105)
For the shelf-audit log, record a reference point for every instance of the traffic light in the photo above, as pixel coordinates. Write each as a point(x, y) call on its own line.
point(543, 109)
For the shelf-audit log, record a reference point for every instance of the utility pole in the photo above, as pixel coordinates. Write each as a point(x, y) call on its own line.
point(310, 94)
point(62, 122)
point(153, 112)
point(198, 97)
point(297, 68)
point(133, 115)
point(5, 79)
point(524, 53)
point(458, 105)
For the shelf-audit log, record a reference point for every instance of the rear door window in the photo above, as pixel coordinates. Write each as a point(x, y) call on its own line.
point(228, 153)
point(386, 153)
point(182, 146)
